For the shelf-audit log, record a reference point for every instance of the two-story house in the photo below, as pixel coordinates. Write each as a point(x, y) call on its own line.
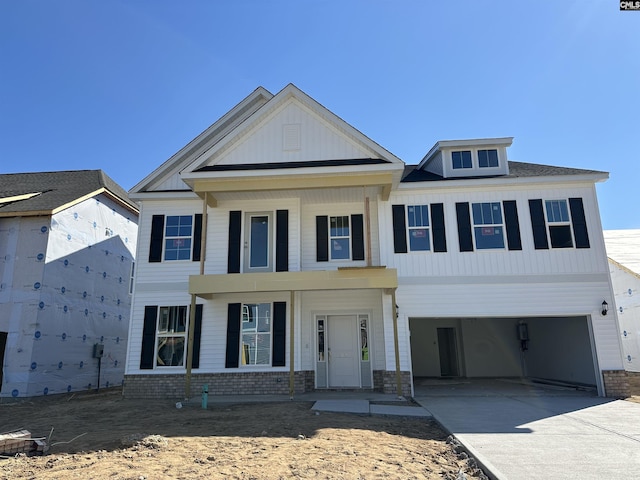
point(283, 251)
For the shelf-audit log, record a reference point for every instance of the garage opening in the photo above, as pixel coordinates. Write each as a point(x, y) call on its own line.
point(549, 349)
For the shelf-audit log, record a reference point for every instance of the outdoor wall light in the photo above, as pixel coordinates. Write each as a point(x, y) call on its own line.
point(605, 307)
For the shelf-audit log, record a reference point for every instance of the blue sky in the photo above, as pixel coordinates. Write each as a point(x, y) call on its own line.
point(122, 85)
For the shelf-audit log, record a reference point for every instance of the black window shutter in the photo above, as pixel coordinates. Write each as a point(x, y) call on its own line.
point(233, 335)
point(465, 239)
point(157, 234)
point(512, 225)
point(579, 223)
point(437, 228)
point(322, 238)
point(197, 333)
point(538, 225)
point(197, 238)
point(279, 334)
point(357, 237)
point(282, 240)
point(148, 337)
point(235, 230)
point(399, 229)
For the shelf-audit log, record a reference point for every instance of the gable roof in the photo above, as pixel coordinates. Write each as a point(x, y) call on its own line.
point(203, 142)
point(412, 173)
point(46, 193)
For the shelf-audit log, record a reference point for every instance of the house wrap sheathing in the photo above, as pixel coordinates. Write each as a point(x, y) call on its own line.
point(67, 245)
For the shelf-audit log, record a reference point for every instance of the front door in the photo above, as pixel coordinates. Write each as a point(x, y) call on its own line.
point(342, 349)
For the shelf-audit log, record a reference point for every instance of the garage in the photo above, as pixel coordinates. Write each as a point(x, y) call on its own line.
point(554, 349)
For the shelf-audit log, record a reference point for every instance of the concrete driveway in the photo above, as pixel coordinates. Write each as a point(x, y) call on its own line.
point(526, 431)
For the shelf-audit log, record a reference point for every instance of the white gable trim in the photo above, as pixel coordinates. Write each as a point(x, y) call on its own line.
point(203, 142)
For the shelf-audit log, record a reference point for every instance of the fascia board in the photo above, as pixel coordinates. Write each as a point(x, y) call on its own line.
point(155, 195)
point(177, 161)
point(588, 179)
point(291, 91)
point(32, 213)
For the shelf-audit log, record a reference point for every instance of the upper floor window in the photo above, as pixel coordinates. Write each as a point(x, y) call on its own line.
point(488, 225)
point(487, 158)
point(461, 159)
point(418, 219)
point(559, 223)
point(177, 237)
point(339, 237)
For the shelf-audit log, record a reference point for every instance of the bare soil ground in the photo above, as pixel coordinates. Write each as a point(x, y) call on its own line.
point(103, 436)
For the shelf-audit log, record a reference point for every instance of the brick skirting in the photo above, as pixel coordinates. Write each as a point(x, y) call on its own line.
point(246, 383)
point(171, 386)
point(620, 383)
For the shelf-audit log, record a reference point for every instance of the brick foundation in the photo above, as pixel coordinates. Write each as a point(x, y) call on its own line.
point(172, 386)
point(634, 383)
point(385, 381)
point(616, 383)
point(246, 383)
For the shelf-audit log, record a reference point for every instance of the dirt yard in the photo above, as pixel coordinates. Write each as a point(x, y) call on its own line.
point(103, 436)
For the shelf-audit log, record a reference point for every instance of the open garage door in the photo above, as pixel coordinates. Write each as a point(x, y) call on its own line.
point(557, 349)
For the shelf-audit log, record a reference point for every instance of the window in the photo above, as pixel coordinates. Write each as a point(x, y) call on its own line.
point(461, 159)
point(171, 336)
point(177, 237)
point(488, 225)
point(258, 243)
point(132, 277)
point(418, 217)
point(559, 223)
point(488, 158)
point(256, 334)
point(339, 237)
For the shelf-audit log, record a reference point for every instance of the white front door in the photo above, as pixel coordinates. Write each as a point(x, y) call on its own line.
point(342, 349)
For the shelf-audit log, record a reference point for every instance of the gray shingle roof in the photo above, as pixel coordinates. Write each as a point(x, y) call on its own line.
point(54, 189)
point(516, 170)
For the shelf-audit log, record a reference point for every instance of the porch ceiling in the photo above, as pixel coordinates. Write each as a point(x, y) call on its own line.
point(352, 278)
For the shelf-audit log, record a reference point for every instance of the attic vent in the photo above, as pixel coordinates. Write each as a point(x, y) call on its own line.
point(291, 137)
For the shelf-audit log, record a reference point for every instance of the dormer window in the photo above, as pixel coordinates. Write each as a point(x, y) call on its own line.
point(487, 158)
point(461, 159)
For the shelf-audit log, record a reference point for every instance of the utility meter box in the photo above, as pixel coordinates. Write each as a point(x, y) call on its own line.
point(98, 350)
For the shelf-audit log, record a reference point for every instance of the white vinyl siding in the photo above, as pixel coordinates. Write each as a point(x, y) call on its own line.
point(527, 261)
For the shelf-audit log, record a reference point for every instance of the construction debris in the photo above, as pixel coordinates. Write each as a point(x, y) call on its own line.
point(21, 441)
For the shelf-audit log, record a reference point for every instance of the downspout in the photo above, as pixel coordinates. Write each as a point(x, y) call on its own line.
point(291, 345)
point(394, 312)
point(192, 309)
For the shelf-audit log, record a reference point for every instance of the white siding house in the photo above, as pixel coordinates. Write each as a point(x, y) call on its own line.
point(282, 251)
point(67, 244)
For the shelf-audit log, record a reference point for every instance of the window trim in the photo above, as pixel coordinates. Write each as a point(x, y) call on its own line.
point(179, 334)
point(475, 226)
point(247, 242)
point(348, 238)
point(427, 227)
point(177, 237)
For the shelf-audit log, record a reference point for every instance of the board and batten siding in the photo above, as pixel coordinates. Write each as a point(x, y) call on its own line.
point(527, 261)
point(265, 143)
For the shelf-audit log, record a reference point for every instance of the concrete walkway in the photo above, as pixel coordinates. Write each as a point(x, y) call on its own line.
point(525, 432)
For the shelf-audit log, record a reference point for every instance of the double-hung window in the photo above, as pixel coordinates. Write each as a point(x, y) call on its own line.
point(339, 237)
point(461, 159)
point(171, 336)
point(418, 221)
point(559, 223)
point(178, 237)
point(256, 334)
point(488, 225)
